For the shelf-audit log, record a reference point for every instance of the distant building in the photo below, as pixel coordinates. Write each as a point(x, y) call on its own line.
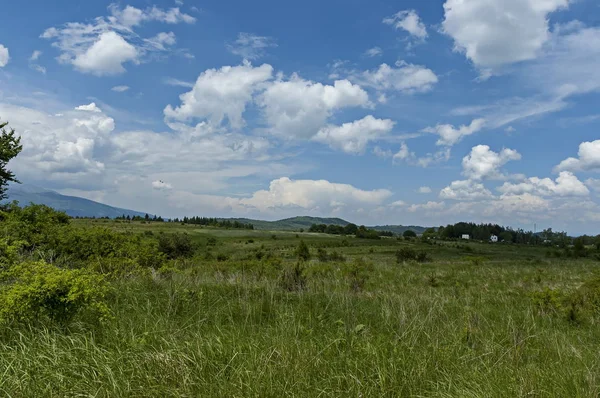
point(466, 237)
point(494, 239)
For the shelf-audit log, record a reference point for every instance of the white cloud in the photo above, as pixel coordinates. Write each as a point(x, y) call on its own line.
point(131, 16)
point(313, 195)
point(381, 153)
point(35, 55)
point(171, 81)
point(354, 137)
point(4, 56)
point(162, 40)
point(465, 190)
point(593, 184)
point(588, 158)
point(449, 135)
point(92, 107)
point(409, 21)
point(38, 68)
point(483, 163)
point(427, 207)
point(493, 33)
point(106, 56)
point(105, 45)
point(404, 154)
point(161, 185)
point(510, 129)
point(221, 93)
point(374, 52)
point(250, 46)
point(406, 78)
point(60, 148)
point(298, 108)
point(424, 190)
point(567, 184)
point(120, 89)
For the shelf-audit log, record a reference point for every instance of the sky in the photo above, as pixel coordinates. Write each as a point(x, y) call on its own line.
point(379, 112)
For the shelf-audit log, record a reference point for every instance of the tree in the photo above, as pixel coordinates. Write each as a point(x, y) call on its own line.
point(409, 234)
point(10, 147)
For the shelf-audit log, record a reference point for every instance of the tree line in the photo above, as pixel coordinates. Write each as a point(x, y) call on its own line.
point(350, 229)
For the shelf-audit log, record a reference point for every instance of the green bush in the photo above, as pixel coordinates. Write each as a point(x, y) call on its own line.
point(293, 278)
point(358, 273)
point(176, 245)
point(302, 251)
point(38, 291)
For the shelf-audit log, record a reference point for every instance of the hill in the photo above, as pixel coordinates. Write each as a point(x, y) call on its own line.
point(400, 229)
point(290, 224)
point(72, 205)
point(80, 207)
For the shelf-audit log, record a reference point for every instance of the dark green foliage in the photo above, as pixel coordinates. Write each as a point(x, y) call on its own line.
point(302, 251)
point(37, 290)
point(216, 222)
point(10, 147)
point(176, 245)
point(409, 234)
point(409, 254)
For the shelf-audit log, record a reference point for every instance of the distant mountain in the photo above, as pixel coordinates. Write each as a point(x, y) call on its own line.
point(80, 207)
point(297, 223)
point(290, 224)
point(72, 205)
point(400, 229)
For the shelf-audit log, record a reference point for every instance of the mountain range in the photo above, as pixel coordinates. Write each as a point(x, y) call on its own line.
point(80, 207)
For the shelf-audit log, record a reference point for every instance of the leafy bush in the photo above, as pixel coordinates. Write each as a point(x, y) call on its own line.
point(176, 245)
point(547, 300)
point(405, 254)
point(37, 290)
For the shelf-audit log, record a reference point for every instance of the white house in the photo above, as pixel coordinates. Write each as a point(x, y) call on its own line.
point(494, 239)
point(466, 237)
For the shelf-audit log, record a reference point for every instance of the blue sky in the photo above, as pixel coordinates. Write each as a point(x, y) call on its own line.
point(404, 112)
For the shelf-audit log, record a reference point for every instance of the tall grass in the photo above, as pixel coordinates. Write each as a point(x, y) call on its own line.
point(198, 332)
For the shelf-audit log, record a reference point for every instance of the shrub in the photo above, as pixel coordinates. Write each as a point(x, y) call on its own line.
point(302, 251)
point(358, 273)
point(322, 255)
point(37, 290)
point(423, 257)
point(405, 254)
point(409, 234)
point(176, 245)
point(293, 278)
point(547, 300)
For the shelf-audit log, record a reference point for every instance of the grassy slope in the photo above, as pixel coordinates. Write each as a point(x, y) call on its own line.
point(442, 329)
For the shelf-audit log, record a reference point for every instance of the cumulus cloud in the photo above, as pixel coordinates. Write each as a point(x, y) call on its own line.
point(450, 135)
point(483, 163)
point(427, 207)
point(354, 137)
point(405, 78)
point(104, 46)
point(567, 184)
point(465, 190)
point(250, 46)
point(493, 33)
point(92, 107)
point(220, 94)
point(161, 185)
point(409, 21)
point(313, 195)
point(298, 108)
point(424, 190)
point(120, 89)
point(588, 158)
point(4, 56)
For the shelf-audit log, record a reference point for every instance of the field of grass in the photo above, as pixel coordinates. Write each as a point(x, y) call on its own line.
point(243, 318)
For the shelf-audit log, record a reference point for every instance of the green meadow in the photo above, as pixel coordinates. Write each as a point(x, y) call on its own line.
point(247, 313)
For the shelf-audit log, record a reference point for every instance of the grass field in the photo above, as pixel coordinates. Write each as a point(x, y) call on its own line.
point(240, 319)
